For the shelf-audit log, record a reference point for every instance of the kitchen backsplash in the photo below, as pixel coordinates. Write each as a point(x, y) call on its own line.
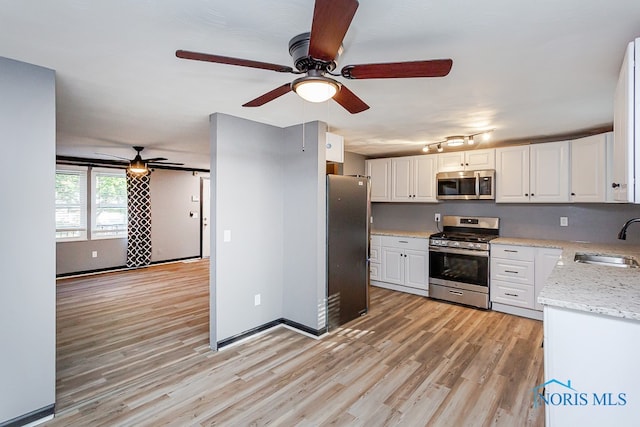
point(587, 222)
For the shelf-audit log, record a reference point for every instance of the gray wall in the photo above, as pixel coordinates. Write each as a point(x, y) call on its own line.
point(304, 297)
point(247, 200)
point(588, 222)
point(174, 234)
point(269, 194)
point(27, 264)
point(354, 164)
point(73, 257)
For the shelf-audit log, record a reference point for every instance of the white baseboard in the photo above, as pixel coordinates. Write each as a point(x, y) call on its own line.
point(394, 287)
point(517, 311)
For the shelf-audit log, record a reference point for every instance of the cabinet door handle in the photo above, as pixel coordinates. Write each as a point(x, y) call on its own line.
point(511, 250)
point(402, 241)
point(526, 194)
point(511, 271)
point(532, 194)
point(615, 185)
point(573, 194)
point(510, 295)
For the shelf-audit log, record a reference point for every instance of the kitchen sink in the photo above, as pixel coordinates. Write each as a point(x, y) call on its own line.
point(610, 260)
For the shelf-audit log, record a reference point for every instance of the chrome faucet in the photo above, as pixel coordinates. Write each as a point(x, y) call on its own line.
point(622, 235)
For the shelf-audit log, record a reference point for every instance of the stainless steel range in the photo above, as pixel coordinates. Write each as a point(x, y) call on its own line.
point(459, 260)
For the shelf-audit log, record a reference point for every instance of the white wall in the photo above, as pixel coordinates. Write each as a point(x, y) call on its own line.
point(27, 264)
point(270, 196)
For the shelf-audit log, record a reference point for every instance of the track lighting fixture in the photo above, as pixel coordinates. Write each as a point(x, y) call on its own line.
point(457, 141)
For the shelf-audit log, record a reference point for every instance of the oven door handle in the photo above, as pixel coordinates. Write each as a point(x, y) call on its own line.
point(483, 254)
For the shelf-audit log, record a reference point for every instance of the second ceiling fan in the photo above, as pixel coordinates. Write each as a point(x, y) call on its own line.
point(314, 55)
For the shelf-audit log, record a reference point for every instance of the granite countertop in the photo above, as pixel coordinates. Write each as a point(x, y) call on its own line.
point(611, 291)
point(400, 233)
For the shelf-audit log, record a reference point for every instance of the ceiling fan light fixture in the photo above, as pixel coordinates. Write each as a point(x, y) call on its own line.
point(315, 88)
point(455, 141)
point(138, 167)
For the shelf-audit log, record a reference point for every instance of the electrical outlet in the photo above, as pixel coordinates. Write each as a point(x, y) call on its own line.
point(94, 254)
point(437, 217)
point(256, 299)
point(564, 221)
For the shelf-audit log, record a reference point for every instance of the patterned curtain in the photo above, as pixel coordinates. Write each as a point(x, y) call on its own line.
point(139, 220)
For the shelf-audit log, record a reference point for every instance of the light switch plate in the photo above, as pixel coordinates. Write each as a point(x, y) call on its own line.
point(226, 235)
point(564, 221)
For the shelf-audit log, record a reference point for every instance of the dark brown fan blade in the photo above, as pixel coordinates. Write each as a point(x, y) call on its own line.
point(166, 163)
point(269, 96)
point(350, 101)
point(399, 70)
point(331, 20)
point(184, 54)
point(155, 159)
point(112, 155)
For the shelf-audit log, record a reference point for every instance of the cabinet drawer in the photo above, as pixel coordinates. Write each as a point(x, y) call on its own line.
point(374, 271)
point(513, 271)
point(374, 254)
point(512, 294)
point(523, 253)
point(415, 243)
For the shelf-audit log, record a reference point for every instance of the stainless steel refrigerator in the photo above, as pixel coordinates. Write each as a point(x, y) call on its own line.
point(348, 213)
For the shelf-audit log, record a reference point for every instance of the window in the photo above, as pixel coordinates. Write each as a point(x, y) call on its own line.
point(71, 203)
point(109, 207)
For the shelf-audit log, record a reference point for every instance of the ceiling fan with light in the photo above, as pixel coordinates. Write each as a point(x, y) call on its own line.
point(138, 165)
point(315, 54)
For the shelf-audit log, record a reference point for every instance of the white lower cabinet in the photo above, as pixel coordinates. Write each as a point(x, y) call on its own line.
point(404, 264)
point(518, 274)
point(598, 355)
point(374, 258)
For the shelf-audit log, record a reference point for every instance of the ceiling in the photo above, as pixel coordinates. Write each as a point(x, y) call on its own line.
point(525, 69)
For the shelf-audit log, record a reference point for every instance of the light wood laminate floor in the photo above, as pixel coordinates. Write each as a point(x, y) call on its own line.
point(132, 350)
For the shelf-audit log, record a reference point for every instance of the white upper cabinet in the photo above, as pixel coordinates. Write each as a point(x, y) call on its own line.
point(413, 179)
point(335, 148)
point(588, 169)
point(467, 160)
point(537, 173)
point(626, 112)
point(380, 172)
point(549, 179)
point(512, 174)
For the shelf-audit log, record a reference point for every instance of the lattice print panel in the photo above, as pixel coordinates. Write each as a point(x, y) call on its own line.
point(139, 226)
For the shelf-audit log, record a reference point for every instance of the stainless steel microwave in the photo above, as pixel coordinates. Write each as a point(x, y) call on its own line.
point(466, 185)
